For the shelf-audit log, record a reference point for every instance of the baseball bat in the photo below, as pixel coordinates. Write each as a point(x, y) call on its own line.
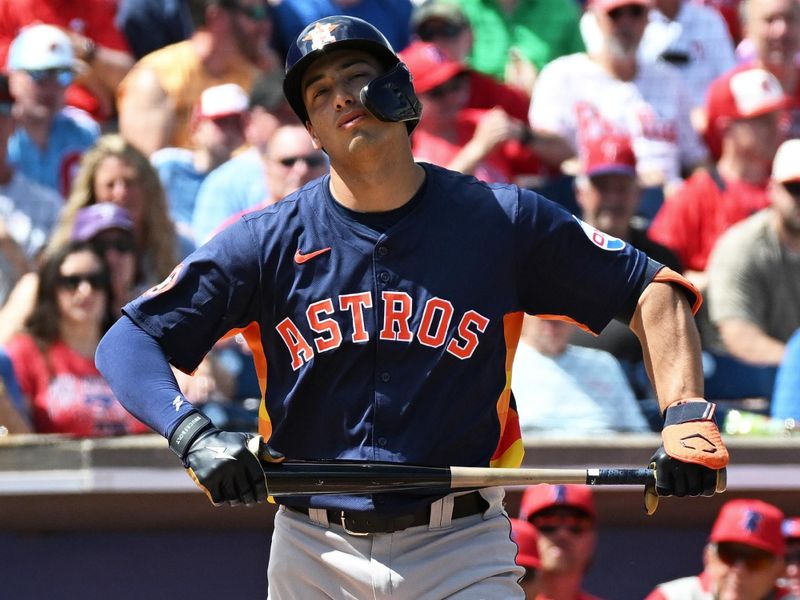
point(302, 478)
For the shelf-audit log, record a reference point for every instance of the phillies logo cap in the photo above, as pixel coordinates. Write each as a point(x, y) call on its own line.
point(540, 497)
point(750, 522)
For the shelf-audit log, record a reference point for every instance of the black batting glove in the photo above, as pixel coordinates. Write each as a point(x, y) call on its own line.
point(677, 478)
point(219, 462)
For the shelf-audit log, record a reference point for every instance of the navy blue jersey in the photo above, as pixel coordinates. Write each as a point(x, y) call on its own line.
point(395, 346)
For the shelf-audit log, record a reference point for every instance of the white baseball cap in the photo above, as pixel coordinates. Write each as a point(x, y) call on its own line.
point(786, 166)
point(40, 47)
point(222, 101)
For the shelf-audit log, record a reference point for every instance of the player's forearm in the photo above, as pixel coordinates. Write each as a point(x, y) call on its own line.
point(748, 342)
point(670, 341)
point(140, 376)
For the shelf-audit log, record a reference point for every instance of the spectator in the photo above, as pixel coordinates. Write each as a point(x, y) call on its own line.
point(695, 40)
point(785, 402)
point(608, 195)
point(442, 24)
point(608, 91)
point(742, 560)
point(109, 229)
point(391, 17)
point(149, 25)
point(745, 108)
point(217, 131)
point(773, 28)
point(519, 38)
point(229, 45)
point(102, 54)
point(731, 12)
point(563, 389)
point(527, 540)
point(48, 141)
point(564, 517)
point(490, 144)
point(241, 183)
point(289, 162)
point(790, 582)
point(54, 358)
point(28, 211)
point(754, 271)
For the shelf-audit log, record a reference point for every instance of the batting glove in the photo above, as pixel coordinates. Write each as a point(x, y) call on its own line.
point(692, 458)
point(220, 462)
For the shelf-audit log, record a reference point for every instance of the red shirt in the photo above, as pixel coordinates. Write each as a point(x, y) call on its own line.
point(502, 164)
point(690, 221)
point(67, 392)
point(91, 18)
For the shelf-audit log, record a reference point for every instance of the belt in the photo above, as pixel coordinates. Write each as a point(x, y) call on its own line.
point(365, 523)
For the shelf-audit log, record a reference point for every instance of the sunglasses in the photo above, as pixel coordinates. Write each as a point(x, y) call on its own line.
point(454, 85)
point(793, 187)
point(121, 245)
point(97, 280)
point(637, 11)
point(64, 77)
point(257, 12)
point(312, 161)
point(575, 524)
point(431, 31)
point(753, 558)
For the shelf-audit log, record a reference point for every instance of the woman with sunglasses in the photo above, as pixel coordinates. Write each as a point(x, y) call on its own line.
point(53, 357)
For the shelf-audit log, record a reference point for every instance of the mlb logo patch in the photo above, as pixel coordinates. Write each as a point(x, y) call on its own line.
point(600, 239)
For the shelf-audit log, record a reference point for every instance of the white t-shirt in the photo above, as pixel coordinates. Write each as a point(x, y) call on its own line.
point(583, 391)
point(575, 98)
point(698, 33)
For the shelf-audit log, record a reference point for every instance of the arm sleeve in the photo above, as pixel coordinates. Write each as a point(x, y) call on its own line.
point(140, 376)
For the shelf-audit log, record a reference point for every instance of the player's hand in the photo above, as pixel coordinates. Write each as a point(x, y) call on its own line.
point(219, 462)
point(692, 454)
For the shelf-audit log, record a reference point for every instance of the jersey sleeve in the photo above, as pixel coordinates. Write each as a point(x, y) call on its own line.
point(567, 268)
point(214, 290)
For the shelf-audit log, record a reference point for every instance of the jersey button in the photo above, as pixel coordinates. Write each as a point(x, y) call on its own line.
point(383, 251)
point(382, 442)
point(384, 276)
point(385, 377)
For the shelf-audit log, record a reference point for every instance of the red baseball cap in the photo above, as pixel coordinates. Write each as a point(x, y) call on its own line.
point(609, 154)
point(750, 522)
point(609, 5)
point(429, 66)
point(743, 95)
point(790, 528)
point(525, 537)
point(539, 497)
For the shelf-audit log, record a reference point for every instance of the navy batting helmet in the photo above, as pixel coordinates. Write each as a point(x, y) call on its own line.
point(389, 97)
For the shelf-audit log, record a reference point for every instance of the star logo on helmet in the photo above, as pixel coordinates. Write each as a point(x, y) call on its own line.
point(321, 34)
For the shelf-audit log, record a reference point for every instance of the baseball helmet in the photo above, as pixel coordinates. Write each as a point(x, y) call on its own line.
point(389, 97)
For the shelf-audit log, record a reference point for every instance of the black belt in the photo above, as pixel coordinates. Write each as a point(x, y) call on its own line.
point(364, 523)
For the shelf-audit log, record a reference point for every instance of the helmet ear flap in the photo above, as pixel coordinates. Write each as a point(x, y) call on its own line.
point(391, 97)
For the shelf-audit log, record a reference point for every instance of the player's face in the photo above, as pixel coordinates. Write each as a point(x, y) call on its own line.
point(741, 572)
point(609, 202)
point(292, 161)
point(118, 182)
point(338, 120)
point(567, 540)
point(80, 295)
point(774, 27)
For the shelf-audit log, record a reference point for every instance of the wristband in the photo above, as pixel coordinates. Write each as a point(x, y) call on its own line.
point(187, 431)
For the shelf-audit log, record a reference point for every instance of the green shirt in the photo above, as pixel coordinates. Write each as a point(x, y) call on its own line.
point(540, 30)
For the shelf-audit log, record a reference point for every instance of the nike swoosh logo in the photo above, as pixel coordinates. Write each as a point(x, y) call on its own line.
point(300, 258)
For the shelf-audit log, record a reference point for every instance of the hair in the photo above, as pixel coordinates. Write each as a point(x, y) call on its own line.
point(43, 324)
point(156, 237)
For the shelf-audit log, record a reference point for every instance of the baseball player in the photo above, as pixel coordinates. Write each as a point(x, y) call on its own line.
point(382, 304)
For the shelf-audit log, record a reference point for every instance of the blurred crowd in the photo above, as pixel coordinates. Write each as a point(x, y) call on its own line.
point(132, 131)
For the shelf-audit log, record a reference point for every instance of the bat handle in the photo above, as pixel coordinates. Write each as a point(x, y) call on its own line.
point(620, 476)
